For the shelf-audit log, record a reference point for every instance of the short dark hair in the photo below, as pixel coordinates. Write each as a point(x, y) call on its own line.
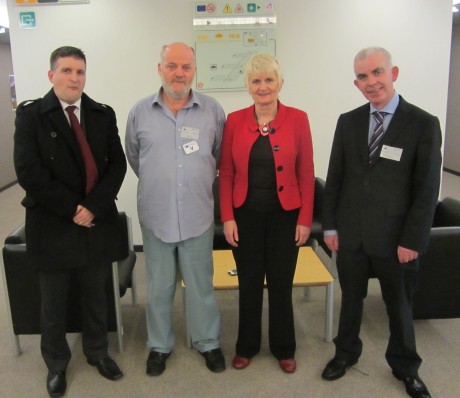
point(66, 51)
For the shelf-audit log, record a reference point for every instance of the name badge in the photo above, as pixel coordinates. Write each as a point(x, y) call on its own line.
point(190, 147)
point(392, 153)
point(190, 132)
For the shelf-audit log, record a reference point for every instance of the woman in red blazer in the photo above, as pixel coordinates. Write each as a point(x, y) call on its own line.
point(266, 198)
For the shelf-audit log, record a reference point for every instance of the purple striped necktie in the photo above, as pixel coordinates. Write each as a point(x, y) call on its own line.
point(374, 144)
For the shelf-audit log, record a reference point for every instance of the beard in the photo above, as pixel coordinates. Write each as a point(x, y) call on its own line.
point(176, 94)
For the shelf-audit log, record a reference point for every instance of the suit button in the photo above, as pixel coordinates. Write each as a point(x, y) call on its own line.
point(280, 188)
point(279, 168)
point(276, 148)
point(53, 134)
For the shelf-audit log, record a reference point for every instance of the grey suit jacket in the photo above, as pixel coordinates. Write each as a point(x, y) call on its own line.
point(389, 203)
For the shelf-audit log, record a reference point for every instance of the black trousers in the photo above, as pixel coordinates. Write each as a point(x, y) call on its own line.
point(397, 282)
point(266, 248)
point(55, 287)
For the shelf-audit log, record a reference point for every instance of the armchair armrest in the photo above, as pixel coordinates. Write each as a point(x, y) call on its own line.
point(17, 236)
point(438, 294)
point(447, 213)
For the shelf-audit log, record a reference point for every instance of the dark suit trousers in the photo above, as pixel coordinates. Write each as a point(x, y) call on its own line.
point(55, 288)
point(397, 282)
point(266, 248)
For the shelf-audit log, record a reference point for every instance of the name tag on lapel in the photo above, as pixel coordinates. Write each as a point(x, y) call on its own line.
point(390, 152)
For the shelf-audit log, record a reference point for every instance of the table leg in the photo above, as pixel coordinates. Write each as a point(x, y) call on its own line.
point(329, 311)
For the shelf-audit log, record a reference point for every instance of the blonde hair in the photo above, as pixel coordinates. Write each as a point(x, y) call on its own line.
point(262, 64)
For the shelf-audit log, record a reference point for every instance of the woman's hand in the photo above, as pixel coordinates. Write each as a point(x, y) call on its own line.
point(301, 234)
point(231, 232)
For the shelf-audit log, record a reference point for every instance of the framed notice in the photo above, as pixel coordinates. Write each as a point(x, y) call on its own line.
point(227, 34)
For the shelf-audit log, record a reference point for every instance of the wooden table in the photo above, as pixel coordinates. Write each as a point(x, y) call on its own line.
point(310, 271)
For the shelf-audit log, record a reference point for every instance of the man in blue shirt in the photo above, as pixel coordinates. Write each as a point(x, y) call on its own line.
point(173, 143)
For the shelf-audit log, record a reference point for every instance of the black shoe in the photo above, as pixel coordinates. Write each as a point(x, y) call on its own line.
point(107, 368)
point(336, 368)
point(56, 384)
point(215, 360)
point(156, 363)
point(415, 387)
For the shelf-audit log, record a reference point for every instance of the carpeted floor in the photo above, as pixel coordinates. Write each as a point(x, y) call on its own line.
point(186, 374)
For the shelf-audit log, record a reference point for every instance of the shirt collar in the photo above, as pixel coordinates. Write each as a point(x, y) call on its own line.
point(65, 104)
point(388, 108)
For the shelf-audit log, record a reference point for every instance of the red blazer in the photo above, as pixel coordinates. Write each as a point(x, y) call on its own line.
point(293, 152)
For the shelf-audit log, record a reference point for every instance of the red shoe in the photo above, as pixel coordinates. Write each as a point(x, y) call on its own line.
point(240, 362)
point(288, 365)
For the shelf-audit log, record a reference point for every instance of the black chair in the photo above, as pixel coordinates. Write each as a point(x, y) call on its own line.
point(438, 291)
point(23, 293)
point(437, 295)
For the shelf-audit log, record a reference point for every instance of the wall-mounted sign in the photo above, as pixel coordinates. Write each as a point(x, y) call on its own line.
point(27, 20)
point(227, 33)
point(38, 2)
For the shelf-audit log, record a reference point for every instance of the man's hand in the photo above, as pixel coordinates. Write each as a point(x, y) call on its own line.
point(406, 255)
point(332, 242)
point(83, 217)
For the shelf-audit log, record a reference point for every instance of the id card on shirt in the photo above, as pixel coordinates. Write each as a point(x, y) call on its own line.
point(390, 152)
point(189, 132)
point(190, 147)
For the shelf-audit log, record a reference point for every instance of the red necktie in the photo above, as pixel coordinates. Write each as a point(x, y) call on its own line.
point(88, 159)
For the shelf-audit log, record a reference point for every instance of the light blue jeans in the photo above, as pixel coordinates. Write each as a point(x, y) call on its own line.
point(193, 257)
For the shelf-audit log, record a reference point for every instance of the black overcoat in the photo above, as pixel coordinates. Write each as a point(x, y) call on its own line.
point(50, 168)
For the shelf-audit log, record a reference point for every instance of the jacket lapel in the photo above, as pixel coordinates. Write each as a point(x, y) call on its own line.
point(396, 125)
point(362, 129)
point(59, 123)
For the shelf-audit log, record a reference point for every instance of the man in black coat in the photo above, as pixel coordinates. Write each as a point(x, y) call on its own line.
point(71, 217)
point(381, 192)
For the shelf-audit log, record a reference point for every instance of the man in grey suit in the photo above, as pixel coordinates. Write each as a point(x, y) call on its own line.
point(381, 191)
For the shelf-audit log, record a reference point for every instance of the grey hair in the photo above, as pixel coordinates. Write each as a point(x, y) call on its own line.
point(165, 46)
point(364, 53)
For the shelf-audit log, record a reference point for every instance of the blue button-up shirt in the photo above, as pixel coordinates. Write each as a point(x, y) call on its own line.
point(389, 109)
point(175, 158)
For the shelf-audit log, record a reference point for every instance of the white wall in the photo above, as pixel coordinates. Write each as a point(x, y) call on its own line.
point(316, 43)
point(452, 146)
point(7, 115)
